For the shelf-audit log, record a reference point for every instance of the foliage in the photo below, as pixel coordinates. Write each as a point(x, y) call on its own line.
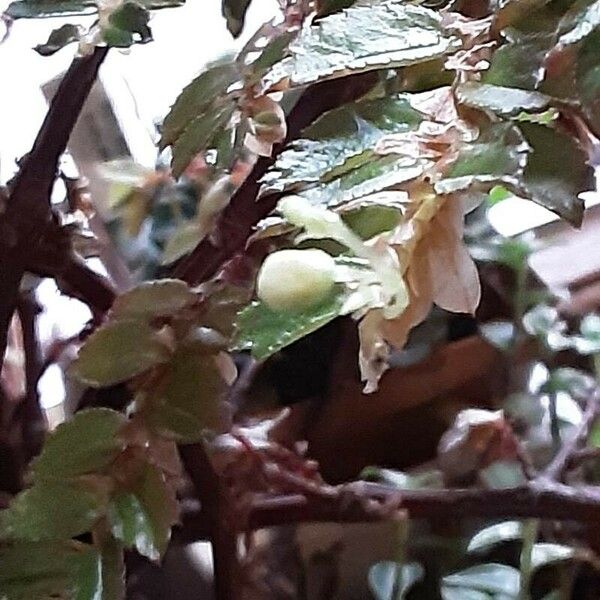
point(451, 111)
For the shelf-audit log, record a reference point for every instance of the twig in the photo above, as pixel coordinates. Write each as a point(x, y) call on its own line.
point(28, 212)
point(32, 418)
point(220, 526)
point(243, 212)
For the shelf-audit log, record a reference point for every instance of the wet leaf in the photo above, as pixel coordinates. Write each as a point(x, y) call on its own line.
point(118, 351)
point(196, 98)
point(87, 443)
point(199, 135)
point(142, 517)
point(412, 34)
point(499, 154)
point(160, 298)
point(264, 332)
point(556, 172)
point(339, 141)
point(505, 101)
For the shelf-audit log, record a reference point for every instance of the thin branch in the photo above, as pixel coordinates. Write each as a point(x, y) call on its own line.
point(32, 418)
point(78, 280)
point(221, 528)
point(28, 212)
point(244, 211)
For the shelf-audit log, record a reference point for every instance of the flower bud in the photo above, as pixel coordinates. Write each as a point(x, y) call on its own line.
point(294, 280)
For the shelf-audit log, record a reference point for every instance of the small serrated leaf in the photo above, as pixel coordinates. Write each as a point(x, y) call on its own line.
point(153, 299)
point(199, 135)
point(118, 351)
point(87, 443)
point(142, 517)
point(382, 35)
point(505, 101)
point(196, 98)
point(187, 401)
point(53, 510)
point(339, 141)
point(264, 332)
point(43, 570)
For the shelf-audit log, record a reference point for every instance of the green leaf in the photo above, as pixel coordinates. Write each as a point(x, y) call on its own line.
point(47, 570)
point(27, 9)
point(53, 510)
point(588, 342)
point(507, 531)
point(390, 34)
point(199, 135)
point(579, 23)
point(499, 154)
point(340, 140)
point(234, 11)
point(505, 101)
point(58, 39)
point(127, 25)
point(556, 172)
point(543, 554)
point(160, 298)
point(503, 474)
point(372, 219)
point(383, 576)
point(112, 571)
point(572, 381)
point(187, 401)
point(499, 334)
point(544, 322)
point(460, 593)
point(372, 174)
point(196, 98)
point(118, 351)
point(588, 79)
point(87, 443)
point(143, 516)
point(489, 578)
point(265, 332)
point(518, 64)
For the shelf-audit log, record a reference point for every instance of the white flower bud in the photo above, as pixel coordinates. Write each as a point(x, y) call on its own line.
point(293, 280)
